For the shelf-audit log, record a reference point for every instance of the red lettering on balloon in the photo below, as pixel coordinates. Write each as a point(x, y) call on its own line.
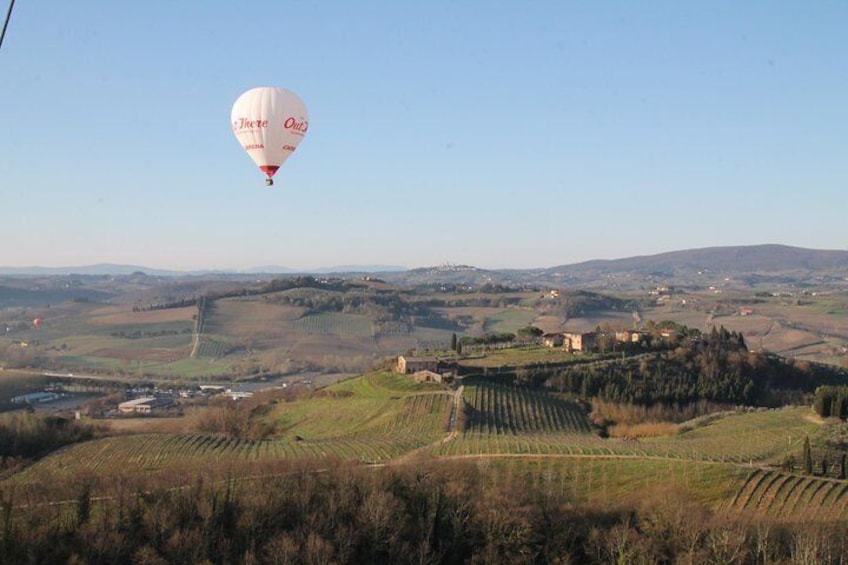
point(294, 125)
point(245, 123)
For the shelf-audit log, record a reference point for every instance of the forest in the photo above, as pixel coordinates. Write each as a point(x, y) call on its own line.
point(714, 366)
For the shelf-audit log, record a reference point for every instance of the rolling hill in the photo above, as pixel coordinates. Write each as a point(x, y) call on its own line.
point(766, 258)
point(724, 260)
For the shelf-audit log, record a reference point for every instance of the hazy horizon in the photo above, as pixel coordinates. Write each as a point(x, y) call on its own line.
point(352, 267)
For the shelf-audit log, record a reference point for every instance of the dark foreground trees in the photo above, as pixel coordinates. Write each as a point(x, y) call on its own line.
point(429, 513)
point(25, 435)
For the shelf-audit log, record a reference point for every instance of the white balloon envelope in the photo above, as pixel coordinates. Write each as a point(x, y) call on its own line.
point(269, 122)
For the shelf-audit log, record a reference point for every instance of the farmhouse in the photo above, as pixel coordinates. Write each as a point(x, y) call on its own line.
point(553, 339)
point(580, 341)
point(407, 365)
point(144, 405)
point(628, 336)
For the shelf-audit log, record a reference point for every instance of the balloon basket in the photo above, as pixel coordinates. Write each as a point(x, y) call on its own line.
point(269, 182)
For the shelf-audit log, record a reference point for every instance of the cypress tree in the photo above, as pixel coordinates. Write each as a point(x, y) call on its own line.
point(808, 456)
point(84, 504)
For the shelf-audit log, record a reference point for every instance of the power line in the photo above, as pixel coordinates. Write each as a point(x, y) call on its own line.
point(6, 24)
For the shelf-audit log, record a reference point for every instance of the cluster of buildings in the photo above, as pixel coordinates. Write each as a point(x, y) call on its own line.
point(160, 401)
point(587, 341)
point(432, 369)
point(424, 369)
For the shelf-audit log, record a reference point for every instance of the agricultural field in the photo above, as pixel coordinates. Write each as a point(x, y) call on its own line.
point(370, 419)
point(488, 319)
point(605, 480)
point(144, 326)
point(524, 355)
point(116, 316)
point(500, 409)
point(808, 326)
point(249, 317)
point(510, 420)
point(334, 323)
point(729, 461)
point(507, 321)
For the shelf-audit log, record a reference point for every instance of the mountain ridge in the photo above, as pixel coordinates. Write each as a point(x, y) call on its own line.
point(735, 258)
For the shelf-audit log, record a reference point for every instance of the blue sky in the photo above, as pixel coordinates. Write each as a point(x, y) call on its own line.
point(497, 134)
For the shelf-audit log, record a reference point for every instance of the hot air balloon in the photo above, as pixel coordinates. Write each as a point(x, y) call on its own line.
point(269, 122)
point(37, 323)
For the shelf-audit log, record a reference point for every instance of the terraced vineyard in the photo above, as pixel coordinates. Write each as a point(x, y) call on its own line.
point(779, 494)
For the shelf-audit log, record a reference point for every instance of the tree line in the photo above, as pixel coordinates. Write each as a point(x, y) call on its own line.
point(831, 401)
point(439, 513)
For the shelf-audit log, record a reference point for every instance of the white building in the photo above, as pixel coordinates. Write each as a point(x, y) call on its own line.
point(144, 405)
